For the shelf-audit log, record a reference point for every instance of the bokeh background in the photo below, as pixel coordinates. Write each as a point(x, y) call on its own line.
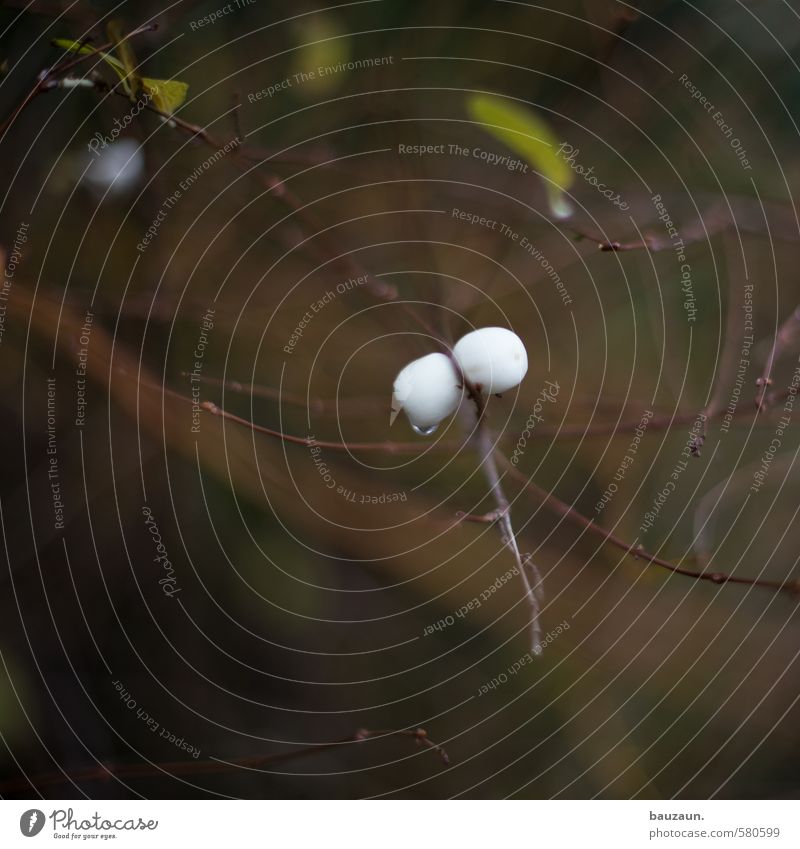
point(299, 612)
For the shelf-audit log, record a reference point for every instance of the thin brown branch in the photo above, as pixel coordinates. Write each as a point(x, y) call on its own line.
point(306, 441)
point(106, 772)
point(358, 406)
point(309, 442)
point(48, 78)
point(663, 421)
point(555, 504)
point(246, 158)
point(327, 248)
point(236, 115)
point(786, 334)
point(609, 245)
point(713, 221)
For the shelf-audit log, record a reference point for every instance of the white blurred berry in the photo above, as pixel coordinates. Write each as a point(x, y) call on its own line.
point(427, 390)
point(492, 359)
point(117, 168)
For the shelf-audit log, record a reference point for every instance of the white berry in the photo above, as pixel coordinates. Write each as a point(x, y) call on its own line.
point(118, 168)
point(492, 359)
point(428, 390)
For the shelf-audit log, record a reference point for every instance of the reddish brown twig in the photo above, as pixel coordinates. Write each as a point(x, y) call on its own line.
point(607, 245)
point(700, 229)
point(309, 442)
point(360, 405)
point(638, 552)
point(786, 334)
point(107, 772)
point(48, 78)
point(248, 160)
point(663, 421)
point(320, 240)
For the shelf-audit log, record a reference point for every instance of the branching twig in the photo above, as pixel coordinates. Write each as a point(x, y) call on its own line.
point(662, 421)
point(106, 772)
point(786, 332)
point(658, 422)
point(387, 447)
point(638, 552)
point(712, 222)
point(321, 241)
point(355, 405)
point(48, 78)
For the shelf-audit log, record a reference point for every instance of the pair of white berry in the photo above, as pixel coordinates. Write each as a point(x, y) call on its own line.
point(429, 389)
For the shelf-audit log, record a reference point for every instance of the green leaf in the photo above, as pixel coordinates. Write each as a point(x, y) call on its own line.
point(85, 49)
point(324, 47)
point(167, 95)
point(524, 132)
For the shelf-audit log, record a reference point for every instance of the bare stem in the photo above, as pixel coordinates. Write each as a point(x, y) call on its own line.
point(701, 229)
point(659, 422)
point(502, 515)
point(46, 78)
point(638, 551)
point(786, 332)
point(363, 405)
point(387, 447)
point(106, 772)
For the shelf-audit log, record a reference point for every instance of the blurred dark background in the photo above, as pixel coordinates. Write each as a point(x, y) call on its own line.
point(298, 614)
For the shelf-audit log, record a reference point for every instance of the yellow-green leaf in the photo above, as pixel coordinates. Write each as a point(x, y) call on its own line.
point(319, 65)
point(126, 55)
point(524, 132)
point(167, 95)
point(85, 49)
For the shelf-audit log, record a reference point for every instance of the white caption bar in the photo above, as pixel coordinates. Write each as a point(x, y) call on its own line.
point(350, 824)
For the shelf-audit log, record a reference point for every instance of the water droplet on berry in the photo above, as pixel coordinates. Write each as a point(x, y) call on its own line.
point(424, 431)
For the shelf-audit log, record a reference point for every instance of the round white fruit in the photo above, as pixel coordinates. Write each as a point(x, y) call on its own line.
point(427, 390)
point(117, 168)
point(492, 359)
